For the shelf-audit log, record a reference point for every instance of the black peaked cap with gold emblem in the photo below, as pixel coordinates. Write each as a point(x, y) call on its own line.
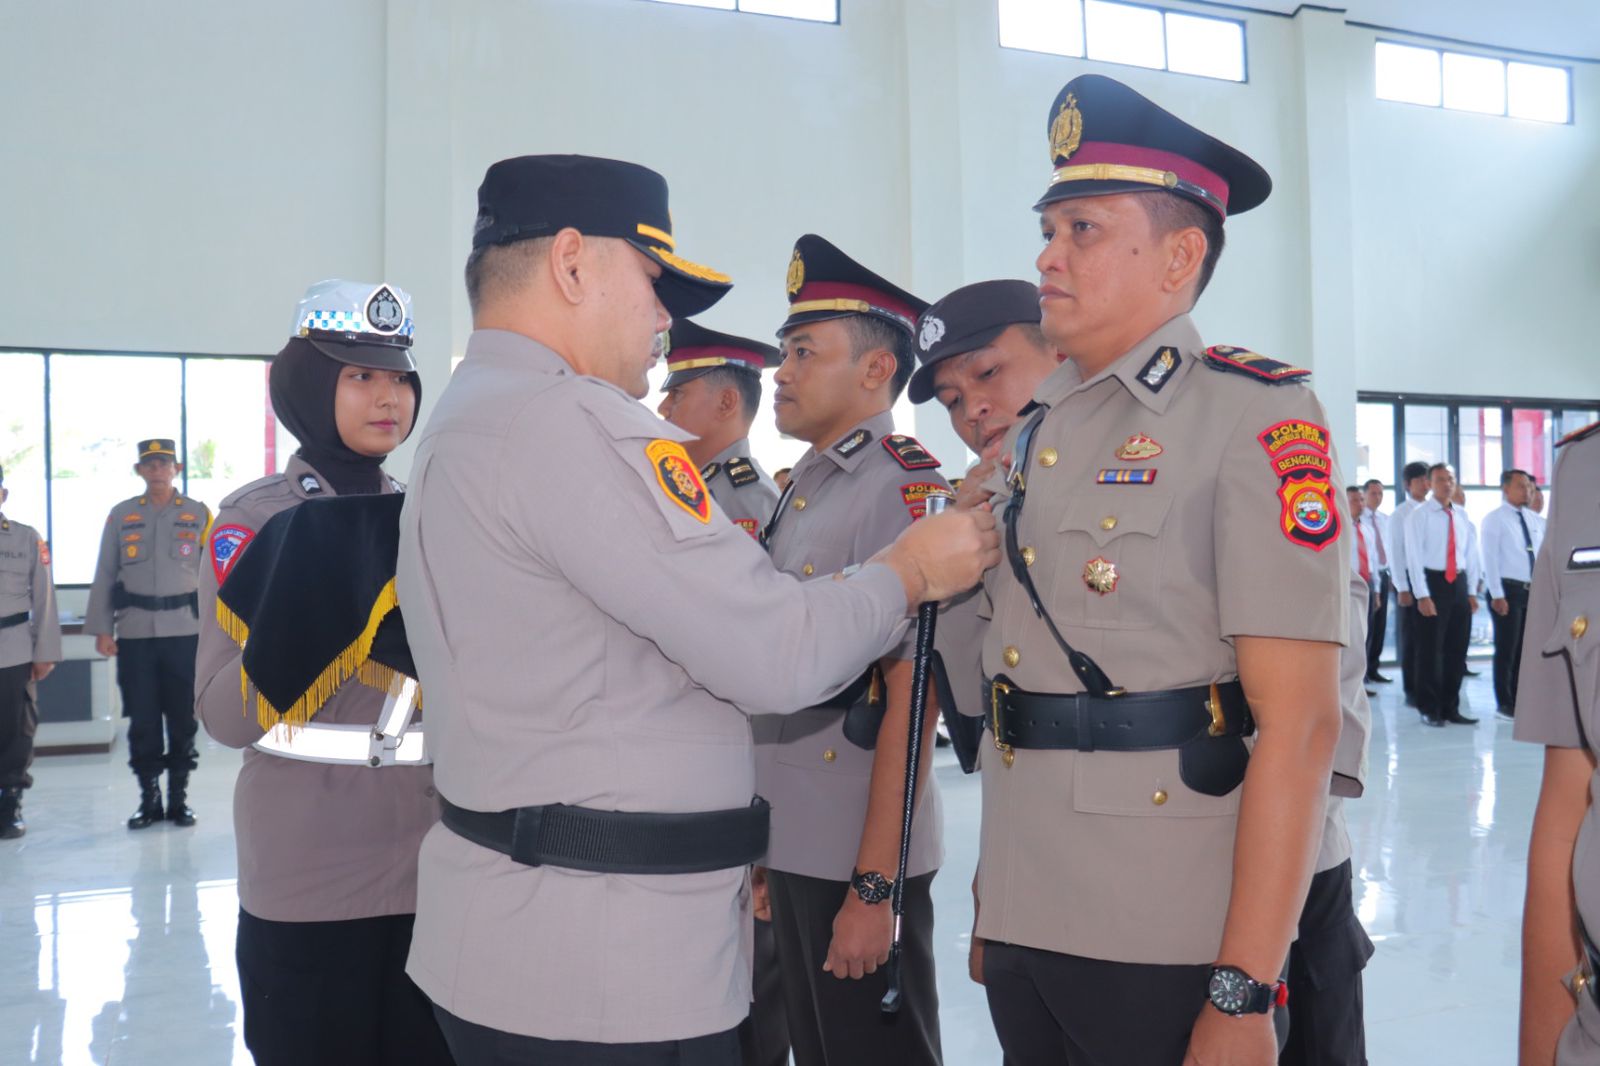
point(694, 350)
point(541, 195)
point(825, 283)
point(1106, 138)
point(158, 446)
point(313, 604)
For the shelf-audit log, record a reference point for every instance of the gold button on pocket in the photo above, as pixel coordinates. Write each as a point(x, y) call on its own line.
point(1028, 556)
point(1012, 656)
point(829, 755)
point(1580, 626)
point(1108, 523)
point(808, 570)
point(1048, 457)
point(800, 503)
point(1160, 797)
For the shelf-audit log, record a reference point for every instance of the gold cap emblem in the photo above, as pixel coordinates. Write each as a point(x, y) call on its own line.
point(1066, 132)
point(797, 273)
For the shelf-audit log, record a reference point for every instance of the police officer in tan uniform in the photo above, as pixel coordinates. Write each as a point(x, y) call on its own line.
point(713, 390)
point(1160, 498)
point(588, 669)
point(835, 773)
point(144, 609)
point(1558, 705)
point(30, 647)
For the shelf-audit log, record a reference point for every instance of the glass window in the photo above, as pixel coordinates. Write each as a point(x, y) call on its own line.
point(22, 439)
point(721, 5)
point(1482, 446)
point(233, 436)
point(1533, 442)
point(1212, 48)
point(1409, 75)
point(1124, 33)
point(1474, 83)
point(1572, 420)
point(810, 10)
point(1538, 92)
point(1427, 433)
point(101, 406)
point(1374, 442)
point(1043, 25)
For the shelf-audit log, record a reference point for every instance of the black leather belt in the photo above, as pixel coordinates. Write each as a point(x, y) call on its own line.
point(14, 619)
point(121, 597)
point(618, 842)
point(1138, 721)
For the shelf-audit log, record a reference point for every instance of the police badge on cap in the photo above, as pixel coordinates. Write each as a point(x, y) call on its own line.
point(358, 323)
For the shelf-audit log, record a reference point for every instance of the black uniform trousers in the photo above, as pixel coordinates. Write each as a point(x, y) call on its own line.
point(1442, 646)
point(1378, 623)
point(334, 994)
point(1508, 643)
point(1054, 1009)
point(1326, 1023)
point(764, 1036)
point(834, 1022)
point(1405, 639)
point(19, 721)
point(156, 676)
point(478, 1045)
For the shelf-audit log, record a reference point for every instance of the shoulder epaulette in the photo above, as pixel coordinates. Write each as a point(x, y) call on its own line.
point(742, 472)
point(1580, 434)
point(1229, 359)
point(908, 453)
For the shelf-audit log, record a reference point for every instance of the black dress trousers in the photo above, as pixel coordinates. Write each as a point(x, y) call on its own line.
point(1442, 646)
point(1326, 1024)
point(19, 720)
point(156, 676)
point(478, 1045)
point(1508, 643)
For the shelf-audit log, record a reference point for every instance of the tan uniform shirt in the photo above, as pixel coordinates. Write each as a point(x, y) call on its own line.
point(1220, 545)
point(1558, 694)
point(150, 551)
point(741, 487)
point(25, 586)
point(588, 627)
point(1350, 758)
point(316, 842)
point(848, 500)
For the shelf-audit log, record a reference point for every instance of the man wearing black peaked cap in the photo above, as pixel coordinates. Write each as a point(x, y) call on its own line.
point(1161, 715)
point(591, 634)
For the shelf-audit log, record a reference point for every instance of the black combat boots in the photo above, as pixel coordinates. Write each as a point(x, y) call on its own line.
point(178, 812)
point(149, 812)
point(11, 824)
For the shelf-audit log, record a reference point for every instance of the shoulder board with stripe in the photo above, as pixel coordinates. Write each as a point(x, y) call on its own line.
point(1233, 360)
point(1579, 434)
point(908, 453)
point(742, 472)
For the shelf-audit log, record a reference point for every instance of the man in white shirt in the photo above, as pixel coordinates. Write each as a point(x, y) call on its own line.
point(1377, 531)
point(1414, 481)
point(1363, 556)
point(1444, 569)
point(1512, 534)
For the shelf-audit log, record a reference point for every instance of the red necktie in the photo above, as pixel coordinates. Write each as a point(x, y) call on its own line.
point(1361, 546)
point(1450, 548)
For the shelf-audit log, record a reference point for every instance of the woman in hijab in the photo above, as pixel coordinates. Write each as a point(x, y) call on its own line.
point(327, 850)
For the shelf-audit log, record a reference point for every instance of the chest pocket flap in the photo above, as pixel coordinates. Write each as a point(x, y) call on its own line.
point(1577, 635)
point(1108, 512)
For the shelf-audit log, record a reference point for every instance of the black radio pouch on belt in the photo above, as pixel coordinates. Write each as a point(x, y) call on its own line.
point(1213, 766)
point(863, 706)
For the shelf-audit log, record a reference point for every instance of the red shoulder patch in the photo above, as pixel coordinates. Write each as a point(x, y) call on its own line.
point(227, 542)
point(44, 552)
point(908, 453)
point(679, 478)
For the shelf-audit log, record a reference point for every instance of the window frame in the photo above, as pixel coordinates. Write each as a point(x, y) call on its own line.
point(45, 352)
point(1166, 52)
point(1505, 59)
point(738, 9)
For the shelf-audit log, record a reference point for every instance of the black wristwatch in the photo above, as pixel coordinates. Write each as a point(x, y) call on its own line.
point(871, 886)
point(1232, 991)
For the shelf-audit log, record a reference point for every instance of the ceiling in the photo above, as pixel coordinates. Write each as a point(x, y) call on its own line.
point(1558, 27)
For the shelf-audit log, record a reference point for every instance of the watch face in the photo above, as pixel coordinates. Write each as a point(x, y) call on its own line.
point(1230, 990)
point(872, 887)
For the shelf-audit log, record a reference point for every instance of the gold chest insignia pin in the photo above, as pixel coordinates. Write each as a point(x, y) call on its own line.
point(1100, 574)
point(797, 273)
point(1139, 447)
point(1066, 132)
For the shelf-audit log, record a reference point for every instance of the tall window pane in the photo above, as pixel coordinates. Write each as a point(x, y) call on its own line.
point(1042, 25)
point(1427, 434)
point(101, 406)
point(1409, 75)
point(1538, 92)
point(233, 436)
point(1213, 48)
point(1573, 419)
point(1474, 83)
point(811, 10)
point(1482, 446)
point(1375, 442)
point(1123, 33)
point(1533, 443)
point(22, 438)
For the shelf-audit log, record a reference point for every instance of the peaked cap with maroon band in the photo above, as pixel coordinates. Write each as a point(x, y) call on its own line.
point(825, 283)
point(1105, 138)
point(695, 350)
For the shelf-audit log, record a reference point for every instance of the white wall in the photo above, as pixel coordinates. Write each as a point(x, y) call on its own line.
point(175, 179)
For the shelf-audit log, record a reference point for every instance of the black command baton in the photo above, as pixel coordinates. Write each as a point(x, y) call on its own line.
point(927, 618)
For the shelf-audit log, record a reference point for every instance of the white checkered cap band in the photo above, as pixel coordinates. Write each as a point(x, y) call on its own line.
point(338, 306)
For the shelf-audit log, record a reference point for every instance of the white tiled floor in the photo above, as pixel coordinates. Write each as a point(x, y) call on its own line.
point(117, 947)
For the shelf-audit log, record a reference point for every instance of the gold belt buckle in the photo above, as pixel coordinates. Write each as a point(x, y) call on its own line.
point(1219, 724)
point(998, 689)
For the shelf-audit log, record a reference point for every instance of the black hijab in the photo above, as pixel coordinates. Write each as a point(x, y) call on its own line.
point(302, 385)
